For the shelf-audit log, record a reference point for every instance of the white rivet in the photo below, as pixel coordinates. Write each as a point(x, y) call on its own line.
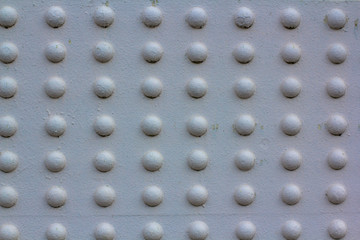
point(104, 87)
point(8, 126)
point(291, 159)
point(244, 53)
point(104, 16)
point(245, 88)
point(337, 53)
point(9, 232)
point(104, 196)
point(244, 195)
point(197, 52)
point(152, 16)
point(56, 196)
point(104, 125)
point(196, 17)
point(103, 52)
point(8, 16)
point(55, 126)
point(104, 161)
point(337, 229)
point(336, 193)
point(245, 160)
point(152, 161)
point(8, 87)
point(336, 124)
point(244, 17)
point(291, 124)
point(291, 53)
point(197, 87)
point(8, 161)
point(197, 160)
point(153, 231)
point(55, 161)
point(55, 52)
point(336, 87)
point(336, 18)
point(55, 17)
point(152, 52)
point(197, 195)
point(245, 230)
point(151, 125)
point(290, 87)
point(152, 196)
point(8, 52)
point(291, 230)
point(291, 194)
point(197, 126)
point(337, 159)
point(152, 87)
point(56, 231)
point(55, 87)
point(105, 231)
point(198, 230)
point(245, 124)
point(8, 196)
point(290, 18)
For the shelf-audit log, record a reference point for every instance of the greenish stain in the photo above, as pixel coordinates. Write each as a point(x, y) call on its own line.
point(69, 41)
point(325, 19)
point(215, 127)
point(356, 22)
point(154, 2)
point(319, 126)
point(106, 3)
point(262, 127)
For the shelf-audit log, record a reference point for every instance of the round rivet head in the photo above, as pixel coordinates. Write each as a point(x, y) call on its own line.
point(244, 195)
point(55, 52)
point(196, 17)
point(244, 53)
point(291, 194)
point(336, 124)
point(336, 193)
point(104, 161)
point(291, 53)
point(337, 229)
point(104, 16)
point(152, 52)
point(245, 160)
point(291, 159)
point(104, 196)
point(337, 53)
point(8, 126)
point(8, 52)
point(196, 87)
point(56, 231)
point(105, 231)
point(104, 87)
point(291, 125)
point(55, 87)
point(290, 18)
point(55, 126)
point(152, 87)
point(55, 161)
point(197, 160)
point(290, 87)
point(151, 125)
point(152, 196)
point(336, 18)
point(336, 87)
point(291, 230)
point(9, 161)
point(151, 16)
point(55, 17)
point(198, 230)
point(197, 126)
point(245, 88)
point(244, 17)
point(8, 196)
point(103, 52)
point(337, 159)
point(197, 195)
point(56, 197)
point(245, 230)
point(104, 125)
point(8, 87)
point(8, 16)
point(197, 52)
point(153, 231)
point(152, 161)
point(9, 232)
point(245, 125)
